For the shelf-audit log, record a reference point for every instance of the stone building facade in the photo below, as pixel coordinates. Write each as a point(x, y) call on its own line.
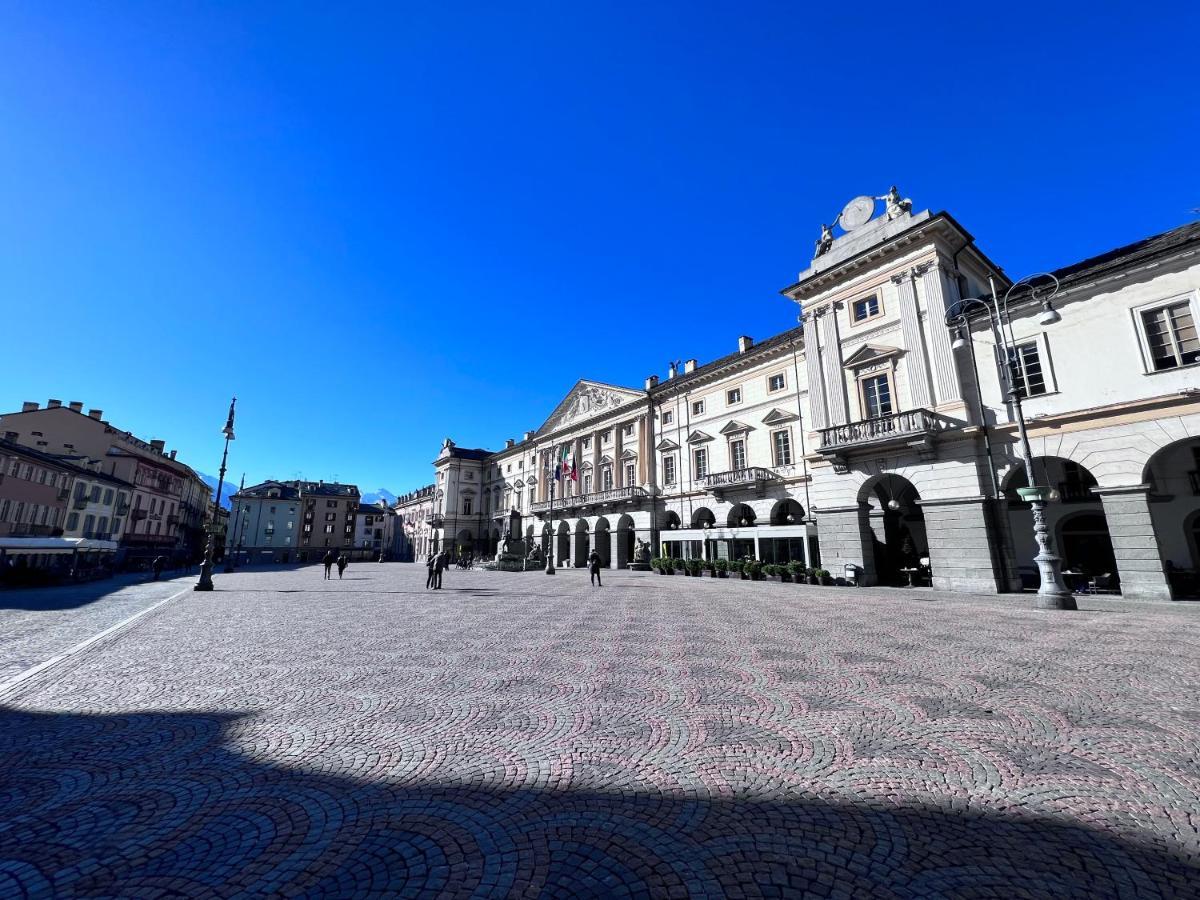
point(876, 439)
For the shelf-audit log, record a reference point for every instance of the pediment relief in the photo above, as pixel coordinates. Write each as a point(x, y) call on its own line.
point(698, 437)
point(778, 416)
point(870, 354)
point(735, 427)
point(585, 400)
point(666, 444)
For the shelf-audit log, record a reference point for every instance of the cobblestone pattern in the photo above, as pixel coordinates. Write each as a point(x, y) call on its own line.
point(37, 624)
point(519, 735)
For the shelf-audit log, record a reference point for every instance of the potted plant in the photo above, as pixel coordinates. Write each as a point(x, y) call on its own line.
point(722, 568)
point(823, 577)
point(737, 566)
point(810, 575)
point(755, 570)
point(711, 568)
point(696, 566)
point(797, 572)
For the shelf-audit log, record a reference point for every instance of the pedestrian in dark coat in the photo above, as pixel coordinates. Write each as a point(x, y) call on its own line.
point(439, 564)
point(329, 559)
point(341, 564)
point(157, 565)
point(593, 562)
point(429, 564)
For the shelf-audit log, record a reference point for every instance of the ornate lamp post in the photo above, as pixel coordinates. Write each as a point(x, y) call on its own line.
point(550, 547)
point(206, 583)
point(1052, 592)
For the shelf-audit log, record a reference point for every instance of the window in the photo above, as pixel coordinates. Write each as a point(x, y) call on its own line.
point(1171, 336)
point(629, 430)
point(72, 519)
point(668, 416)
point(732, 396)
point(776, 382)
point(272, 510)
point(606, 437)
point(331, 504)
point(701, 460)
point(607, 477)
point(108, 495)
point(270, 528)
point(95, 493)
point(329, 529)
point(587, 443)
point(4, 505)
point(466, 508)
point(1026, 369)
point(331, 517)
point(668, 470)
point(877, 396)
point(308, 528)
point(737, 454)
point(630, 475)
point(781, 445)
point(587, 482)
point(698, 408)
point(866, 308)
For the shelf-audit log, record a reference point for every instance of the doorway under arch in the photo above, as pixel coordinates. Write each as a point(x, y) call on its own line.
point(898, 538)
point(602, 543)
point(1173, 474)
point(562, 548)
point(579, 559)
point(625, 540)
point(787, 512)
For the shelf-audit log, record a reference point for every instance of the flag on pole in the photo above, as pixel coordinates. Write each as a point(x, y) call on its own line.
point(558, 469)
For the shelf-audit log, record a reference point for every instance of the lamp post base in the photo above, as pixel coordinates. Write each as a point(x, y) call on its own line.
point(206, 569)
point(1052, 600)
point(549, 564)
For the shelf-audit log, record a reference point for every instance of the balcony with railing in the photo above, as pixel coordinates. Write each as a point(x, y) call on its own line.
point(64, 493)
point(912, 427)
point(753, 477)
point(613, 497)
point(434, 519)
point(138, 513)
point(98, 535)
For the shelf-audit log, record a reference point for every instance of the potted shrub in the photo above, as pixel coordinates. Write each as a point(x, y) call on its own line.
point(810, 575)
point(823, 577)
point(755, 570)
point(711, 568)
point(737, 566)
point(696, 567)
point(679, 565)
point(722, 566)
point(797, 572)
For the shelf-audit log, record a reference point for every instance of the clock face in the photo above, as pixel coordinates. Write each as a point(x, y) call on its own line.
point(857, 213)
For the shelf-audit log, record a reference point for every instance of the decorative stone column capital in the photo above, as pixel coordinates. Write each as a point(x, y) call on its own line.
point(901, 277)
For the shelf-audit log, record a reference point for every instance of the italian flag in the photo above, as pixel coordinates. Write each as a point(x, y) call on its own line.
point(568, 464)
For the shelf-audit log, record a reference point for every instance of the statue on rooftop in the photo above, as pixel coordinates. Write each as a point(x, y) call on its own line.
point(825, 241)
point(896, 206)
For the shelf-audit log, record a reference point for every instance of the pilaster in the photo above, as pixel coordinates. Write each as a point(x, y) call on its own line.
point(831, 360)
point(935, 288)
point(1135, 545)
point(846, 538)
point(960, 550)
point(916, 365)
point(818, 409)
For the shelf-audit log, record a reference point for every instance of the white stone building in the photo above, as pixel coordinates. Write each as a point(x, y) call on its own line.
point(873, 442)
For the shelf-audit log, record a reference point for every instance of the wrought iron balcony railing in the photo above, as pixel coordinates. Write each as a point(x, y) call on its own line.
point(630, 494)
point(751, 477)
point(914, 427)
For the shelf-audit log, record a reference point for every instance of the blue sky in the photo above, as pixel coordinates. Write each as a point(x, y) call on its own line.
point(379, 225)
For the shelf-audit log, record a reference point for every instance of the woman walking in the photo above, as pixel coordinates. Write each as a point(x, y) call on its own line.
point(341, 564)
point(593, 562)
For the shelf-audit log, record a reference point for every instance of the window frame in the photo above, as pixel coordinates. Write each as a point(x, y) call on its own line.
point(668, 417)
point(888, 374)
point(870, 317)
point(775, 461)
point(674, 467)
point(697, 407)
point(783, 387)
point(732, 402)
point(1041, 348)
point(1192, 299)
point(699, 471)
point(733, 464)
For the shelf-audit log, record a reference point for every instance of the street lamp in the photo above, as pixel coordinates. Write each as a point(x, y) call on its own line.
point(206, 583)
point(1052, 592)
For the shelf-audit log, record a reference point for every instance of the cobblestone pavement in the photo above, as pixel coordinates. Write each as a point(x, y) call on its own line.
point(39, 623)
point(520, 735)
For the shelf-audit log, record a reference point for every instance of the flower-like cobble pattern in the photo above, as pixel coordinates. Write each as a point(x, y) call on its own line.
point(518, 735)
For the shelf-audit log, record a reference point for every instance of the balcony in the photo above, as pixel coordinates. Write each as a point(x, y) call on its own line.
point(614, 497)
point(122, 509)
point(914, 428)
point(433, 519)
point(506, 513)
point(754, 477)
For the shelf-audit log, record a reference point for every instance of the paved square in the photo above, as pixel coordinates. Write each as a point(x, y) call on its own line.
point(517, 734)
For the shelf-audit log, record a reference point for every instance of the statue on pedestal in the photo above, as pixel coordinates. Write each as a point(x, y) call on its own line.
point(825, 241)
point(896, 206)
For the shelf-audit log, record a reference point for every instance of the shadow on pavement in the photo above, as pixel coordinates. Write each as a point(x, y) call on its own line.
point(75, 596)
point(158, 803)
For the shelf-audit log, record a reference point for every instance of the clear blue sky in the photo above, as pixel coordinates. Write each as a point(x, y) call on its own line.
point(451, 212)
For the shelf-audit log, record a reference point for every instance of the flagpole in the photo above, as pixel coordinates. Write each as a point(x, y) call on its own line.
point(553, 536)
point(206, 569)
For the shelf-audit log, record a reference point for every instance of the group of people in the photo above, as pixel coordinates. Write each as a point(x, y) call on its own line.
point(330, 560)
point(436, 563)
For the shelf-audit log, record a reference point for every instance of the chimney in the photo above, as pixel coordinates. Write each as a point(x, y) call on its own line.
point(671, 372)
point(95, 414)
point(172, 454)
point(157, 446)
point(745, 342)
point(28, 406)
point(651, 382)
point(75, 406)
point(508, 443)
point(689, 366)
point(53, 404)
point(528, 436)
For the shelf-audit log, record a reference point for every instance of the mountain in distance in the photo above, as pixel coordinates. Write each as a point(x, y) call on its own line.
point(379, 494)
point(227, 490)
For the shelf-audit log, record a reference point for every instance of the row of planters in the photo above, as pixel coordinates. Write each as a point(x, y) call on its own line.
point(745, 570)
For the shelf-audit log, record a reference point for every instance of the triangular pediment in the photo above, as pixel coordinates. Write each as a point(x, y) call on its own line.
point(735, 427)
point(698, 437)
point(531, 480)
point(628, 454)
point(778, 416)
point(869, 354)
point(606, 460)
point(520, 482)
point(666, 444)
point(586, 400)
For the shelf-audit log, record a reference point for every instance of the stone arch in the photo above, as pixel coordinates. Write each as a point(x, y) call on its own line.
point(602, 542)
point(625, 541)
point(580, 550)
point(546, 538)
point(896, 533)
point(1084, 543)
point(1172, 475)
point(671, 521)
point(464, 543)
point(786, 512)
point(741, 515)
point(1192, 529)
point(701, 515)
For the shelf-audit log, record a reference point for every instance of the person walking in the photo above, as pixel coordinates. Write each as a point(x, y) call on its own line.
point(429, 564)
point(342, 562)
point(593, 562)
point(157, 565)
point(439, 564)
point(329, 559)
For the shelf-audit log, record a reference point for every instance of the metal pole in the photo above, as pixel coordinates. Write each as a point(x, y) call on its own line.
point(550, 547)
point(206, 583)
point(1052, 592)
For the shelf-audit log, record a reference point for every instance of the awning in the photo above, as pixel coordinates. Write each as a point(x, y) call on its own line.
point(53, 545)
